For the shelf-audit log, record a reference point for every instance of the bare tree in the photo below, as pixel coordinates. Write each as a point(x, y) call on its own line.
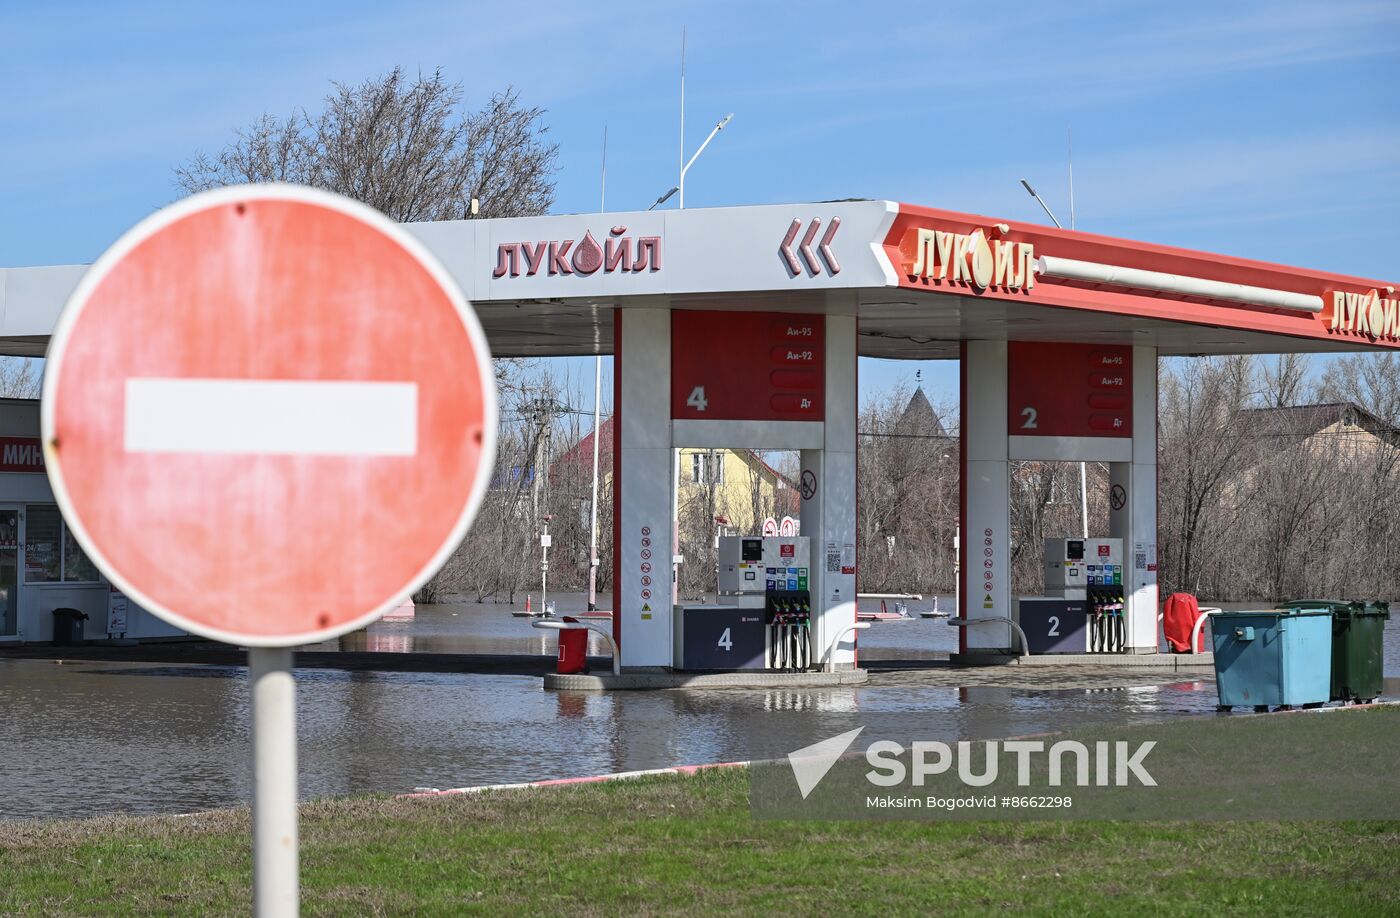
point(1270, 490)
point(1284, 380)
point(401, 145)
point(1369, 380)
point(405, 146)
point(20, 377)
point(907, 485)
point(1202, 431)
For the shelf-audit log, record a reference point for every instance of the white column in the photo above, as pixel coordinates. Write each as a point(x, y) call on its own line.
point(643, 557)
point(829, 516)
point(986, 518)
point(1135, 522)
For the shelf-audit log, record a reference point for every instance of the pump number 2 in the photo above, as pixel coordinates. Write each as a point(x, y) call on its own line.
point(1030, 415)
point(698, 401)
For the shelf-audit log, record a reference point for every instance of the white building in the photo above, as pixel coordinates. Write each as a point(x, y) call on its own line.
point(42, 568)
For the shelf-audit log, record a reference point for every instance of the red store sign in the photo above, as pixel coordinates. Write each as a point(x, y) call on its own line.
point(21, 454)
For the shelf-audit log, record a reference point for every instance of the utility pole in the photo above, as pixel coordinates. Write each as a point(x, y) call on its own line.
point(543, 409)
point(593, 534)
point(544, 417)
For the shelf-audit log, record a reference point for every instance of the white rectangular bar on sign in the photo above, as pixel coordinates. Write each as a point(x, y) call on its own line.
point(1069, 449)
point(296, 417)
point(687, 433)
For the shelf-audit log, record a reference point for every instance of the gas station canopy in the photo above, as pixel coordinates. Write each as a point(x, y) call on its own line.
point(740, 327)
point(919, 281)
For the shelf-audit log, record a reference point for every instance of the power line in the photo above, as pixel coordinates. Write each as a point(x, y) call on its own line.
point(907, 436)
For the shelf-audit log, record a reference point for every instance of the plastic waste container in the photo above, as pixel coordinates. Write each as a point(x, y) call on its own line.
point(1358, 646)
point(1273, 657)
point(573, 650)
point(68, 626)
point(1179, 620)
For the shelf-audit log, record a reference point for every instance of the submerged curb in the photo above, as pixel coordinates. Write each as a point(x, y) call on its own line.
point(694, 769)
point(560, 782)
point(581, 682)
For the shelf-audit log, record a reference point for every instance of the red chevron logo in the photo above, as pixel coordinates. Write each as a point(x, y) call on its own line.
point(804, 249)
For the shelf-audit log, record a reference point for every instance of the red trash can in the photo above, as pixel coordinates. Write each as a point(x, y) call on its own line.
point(573, 650)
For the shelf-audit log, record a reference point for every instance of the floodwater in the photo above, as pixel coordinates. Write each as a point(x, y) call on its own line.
point(86, 738)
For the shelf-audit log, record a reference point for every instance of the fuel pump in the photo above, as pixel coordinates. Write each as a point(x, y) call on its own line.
point(764, 616)
point(1091, 571)
point(789, 617)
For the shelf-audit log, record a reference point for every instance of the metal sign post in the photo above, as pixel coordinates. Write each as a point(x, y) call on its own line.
point(544, 567)
point(275, 843)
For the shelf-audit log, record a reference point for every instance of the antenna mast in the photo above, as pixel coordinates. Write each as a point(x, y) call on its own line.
point(1069, 140)
point(680, 151)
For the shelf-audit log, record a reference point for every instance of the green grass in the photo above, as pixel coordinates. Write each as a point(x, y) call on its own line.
point(689, 846)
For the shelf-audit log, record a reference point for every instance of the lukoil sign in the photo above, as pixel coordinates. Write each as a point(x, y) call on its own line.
point(617, 254)
point(1365, 314)
point(970, 259)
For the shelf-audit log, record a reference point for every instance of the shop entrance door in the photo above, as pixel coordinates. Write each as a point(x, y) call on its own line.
point(9, 572)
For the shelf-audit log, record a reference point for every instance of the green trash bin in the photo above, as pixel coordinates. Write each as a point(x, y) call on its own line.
point(1358, 646)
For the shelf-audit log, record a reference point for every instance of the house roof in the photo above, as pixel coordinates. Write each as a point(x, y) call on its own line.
point(919, 418)
point(580, 455)
point(1306, 420)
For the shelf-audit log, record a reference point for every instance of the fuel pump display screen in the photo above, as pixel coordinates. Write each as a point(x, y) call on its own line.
point(1074, 550)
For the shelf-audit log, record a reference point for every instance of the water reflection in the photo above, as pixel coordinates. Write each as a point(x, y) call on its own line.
point(92, 738)
point(489, 628)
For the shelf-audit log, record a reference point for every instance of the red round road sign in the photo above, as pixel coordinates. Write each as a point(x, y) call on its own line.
point(268, 414)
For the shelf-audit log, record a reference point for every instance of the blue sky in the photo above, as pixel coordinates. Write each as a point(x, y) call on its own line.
point(1266, 130)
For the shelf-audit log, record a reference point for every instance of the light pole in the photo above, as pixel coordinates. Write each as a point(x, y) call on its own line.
point(664, 198)
point(593, 505)
point(719, 126)
point(680, 186)
point(1083, 467)
point(1045, 207)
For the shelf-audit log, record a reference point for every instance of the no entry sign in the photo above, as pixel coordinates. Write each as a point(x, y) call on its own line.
point(268, 414)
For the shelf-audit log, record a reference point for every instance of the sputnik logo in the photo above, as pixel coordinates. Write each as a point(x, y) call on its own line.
point(811, 763)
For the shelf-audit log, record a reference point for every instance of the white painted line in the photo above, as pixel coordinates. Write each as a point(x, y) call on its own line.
point(688, 771)
point(273, 416)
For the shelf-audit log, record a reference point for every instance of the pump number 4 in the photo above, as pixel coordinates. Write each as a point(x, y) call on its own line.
point(698, 401)
point(725, 640)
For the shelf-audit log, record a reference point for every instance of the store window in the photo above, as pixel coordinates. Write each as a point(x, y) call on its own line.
point(76, 566)
point(43, 563)
point(51, 554)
